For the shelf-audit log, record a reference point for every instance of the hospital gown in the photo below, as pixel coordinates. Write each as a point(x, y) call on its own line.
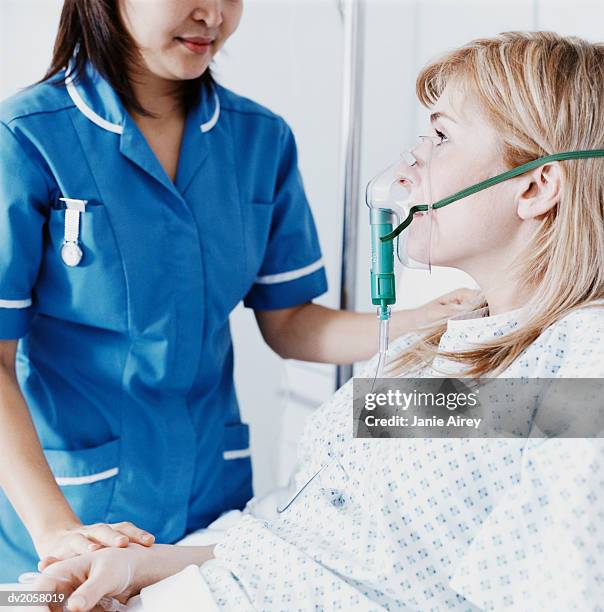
point(431, 524)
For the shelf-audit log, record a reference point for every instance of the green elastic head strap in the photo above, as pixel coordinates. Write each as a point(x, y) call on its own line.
point(489, 183)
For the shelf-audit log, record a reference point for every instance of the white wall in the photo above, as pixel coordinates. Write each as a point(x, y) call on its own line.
point(27, 31)
point(287, 55)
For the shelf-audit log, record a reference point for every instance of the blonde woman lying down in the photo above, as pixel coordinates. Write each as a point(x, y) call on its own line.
point(433, 524)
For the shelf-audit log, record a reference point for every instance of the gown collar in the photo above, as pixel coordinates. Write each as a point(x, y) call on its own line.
point(478, 325)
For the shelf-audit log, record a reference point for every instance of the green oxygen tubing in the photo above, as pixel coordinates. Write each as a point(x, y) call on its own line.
point(383, 290)
point(504, 176)
point(383, 293)
point(382, 278)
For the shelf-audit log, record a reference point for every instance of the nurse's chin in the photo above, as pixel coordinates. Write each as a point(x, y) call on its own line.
point(185, 66)
point(188, 72)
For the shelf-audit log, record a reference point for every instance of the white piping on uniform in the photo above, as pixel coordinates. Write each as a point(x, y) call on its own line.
point(283, 277)
point(88, 112)
point(15, 303)
point(118, 129)
point(82, 480)
point(236, 454)
point(208, 125)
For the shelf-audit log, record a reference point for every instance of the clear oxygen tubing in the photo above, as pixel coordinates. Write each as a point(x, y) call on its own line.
point(383, 332)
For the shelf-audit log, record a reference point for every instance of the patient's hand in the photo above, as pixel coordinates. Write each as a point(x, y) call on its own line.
point(116, 572)
point(80, 539)
point(85, 579)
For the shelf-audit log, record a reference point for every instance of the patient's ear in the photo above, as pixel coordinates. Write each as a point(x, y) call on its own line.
point(540, 191)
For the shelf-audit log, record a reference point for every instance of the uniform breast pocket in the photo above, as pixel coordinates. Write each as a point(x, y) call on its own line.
point(93, 291)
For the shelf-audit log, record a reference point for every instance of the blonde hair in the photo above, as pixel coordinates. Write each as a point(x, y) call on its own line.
point(544, 93)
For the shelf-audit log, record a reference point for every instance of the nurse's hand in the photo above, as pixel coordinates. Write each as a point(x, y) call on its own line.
point(80, 539)
point(311, 332)
point(443, 307)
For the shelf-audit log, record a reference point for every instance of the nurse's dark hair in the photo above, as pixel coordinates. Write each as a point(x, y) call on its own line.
point(96, 30)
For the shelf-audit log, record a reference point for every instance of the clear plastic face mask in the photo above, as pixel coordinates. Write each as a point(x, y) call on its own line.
point(400, 187)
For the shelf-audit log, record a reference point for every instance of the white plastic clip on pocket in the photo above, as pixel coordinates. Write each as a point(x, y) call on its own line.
point(71, 253)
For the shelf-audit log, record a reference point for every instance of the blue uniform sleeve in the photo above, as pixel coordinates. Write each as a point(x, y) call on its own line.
point(292, 271)
point(23, 202)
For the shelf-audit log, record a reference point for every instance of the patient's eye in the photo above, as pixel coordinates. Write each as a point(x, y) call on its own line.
point(443, 137)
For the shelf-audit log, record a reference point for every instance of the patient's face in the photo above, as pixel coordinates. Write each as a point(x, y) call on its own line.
point(479, 230)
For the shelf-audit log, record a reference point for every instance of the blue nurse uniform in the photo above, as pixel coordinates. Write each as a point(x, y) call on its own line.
point(125, 358)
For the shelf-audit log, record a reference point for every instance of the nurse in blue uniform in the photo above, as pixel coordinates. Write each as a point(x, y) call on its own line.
point(140, 202)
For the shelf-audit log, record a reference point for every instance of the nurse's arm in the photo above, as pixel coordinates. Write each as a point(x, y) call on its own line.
point(311, 332)
point(24, 473)
point(29, 482)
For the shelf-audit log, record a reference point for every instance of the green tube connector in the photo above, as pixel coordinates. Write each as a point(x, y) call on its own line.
point(383, 290)
point(383, 313)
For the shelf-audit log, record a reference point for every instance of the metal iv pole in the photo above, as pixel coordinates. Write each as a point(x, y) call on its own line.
point(352, 98)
